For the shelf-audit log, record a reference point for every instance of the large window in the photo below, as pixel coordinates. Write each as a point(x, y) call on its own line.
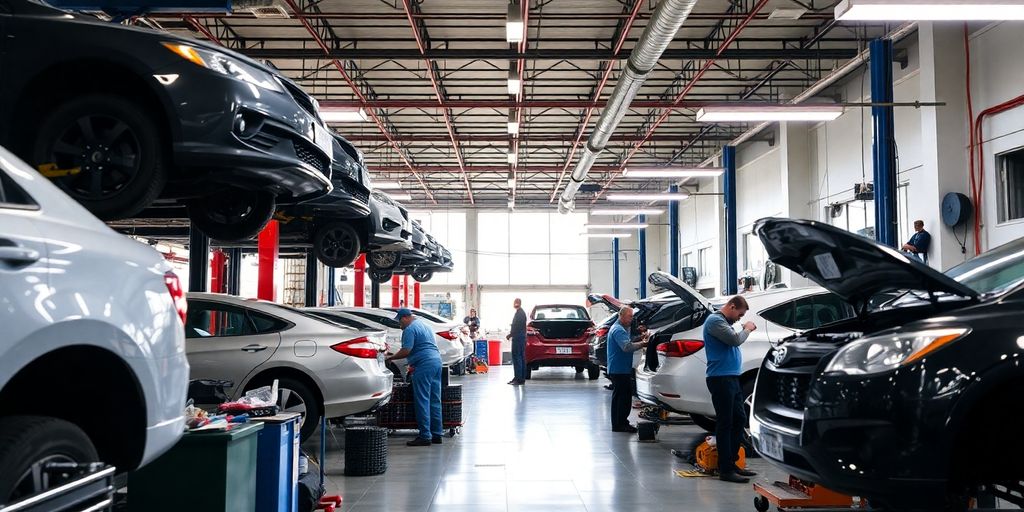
point(532, 248)
point(702, 262)
point(496, 306)
point(1011, 185)
point(449, 229)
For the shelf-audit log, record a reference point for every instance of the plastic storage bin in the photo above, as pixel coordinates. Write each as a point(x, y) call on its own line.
point(277, 470)
point(481, 349)
point(494, 353)
point(209, 470)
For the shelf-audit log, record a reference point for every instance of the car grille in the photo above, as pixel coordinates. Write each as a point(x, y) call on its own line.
point(791, 390)
point(270, 136)
point(303, 99)
point(310, 156)
point(357, 192)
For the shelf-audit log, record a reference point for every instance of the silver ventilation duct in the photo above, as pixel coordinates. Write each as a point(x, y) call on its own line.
point(662, 28)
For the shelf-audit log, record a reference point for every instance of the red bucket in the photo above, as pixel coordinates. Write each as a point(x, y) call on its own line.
point(493, 352)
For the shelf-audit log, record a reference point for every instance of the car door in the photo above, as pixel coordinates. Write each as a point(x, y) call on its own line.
point(24, 274)
point(222, 342)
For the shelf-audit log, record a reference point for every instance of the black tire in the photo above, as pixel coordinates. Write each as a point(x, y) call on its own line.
point(233, 215)
point(422, 276)
point(380, 276)
point(115, 144)
point(593, 372)
point(336, 244)
point(29, 440)
point(761, 504)
point(704, 422)
point(384, 260)
point(295, 396)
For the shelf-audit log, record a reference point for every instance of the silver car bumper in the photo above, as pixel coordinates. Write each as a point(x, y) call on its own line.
point(355, 386)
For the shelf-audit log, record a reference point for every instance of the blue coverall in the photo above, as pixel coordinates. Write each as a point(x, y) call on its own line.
point(426, 377)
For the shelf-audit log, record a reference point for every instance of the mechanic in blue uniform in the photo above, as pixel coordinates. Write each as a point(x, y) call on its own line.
point(620, 368)
point(420, 347)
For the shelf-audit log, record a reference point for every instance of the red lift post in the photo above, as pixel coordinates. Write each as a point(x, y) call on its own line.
point(416, 295)
point(396, 283)
point(218, 272)
point(267, 247)
point(405, 290)
point(359, 281)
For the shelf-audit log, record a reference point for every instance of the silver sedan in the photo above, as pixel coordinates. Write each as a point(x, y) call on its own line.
point(322, 368)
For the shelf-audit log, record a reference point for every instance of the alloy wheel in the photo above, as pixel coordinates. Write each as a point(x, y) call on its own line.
point(106, 152)
point(290, 401)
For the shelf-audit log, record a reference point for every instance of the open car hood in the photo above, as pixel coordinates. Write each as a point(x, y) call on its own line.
point(851, 266)
point(682, 290)
point(610, 302)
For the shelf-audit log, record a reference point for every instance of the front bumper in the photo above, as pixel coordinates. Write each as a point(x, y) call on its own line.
point(283, 148)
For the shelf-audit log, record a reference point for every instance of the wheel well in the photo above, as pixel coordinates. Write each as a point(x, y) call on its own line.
point(52, 87)
point(994, 418)
point(102, 397)
point(266, 377)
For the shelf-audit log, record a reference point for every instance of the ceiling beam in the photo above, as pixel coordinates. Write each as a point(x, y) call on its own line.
point(549, 54)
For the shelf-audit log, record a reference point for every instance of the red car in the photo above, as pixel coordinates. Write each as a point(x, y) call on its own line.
point(559, 335)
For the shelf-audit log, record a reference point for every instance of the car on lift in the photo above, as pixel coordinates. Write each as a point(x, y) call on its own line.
point(558, 335)
point(323, 369)
point(391, 235)
point(92, 350)
point(676, 380)
point(425, 258)
point(120, 117)
point(910, 403)
point(337, 225)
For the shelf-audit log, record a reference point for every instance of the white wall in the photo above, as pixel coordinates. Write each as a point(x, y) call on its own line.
point(629, 265)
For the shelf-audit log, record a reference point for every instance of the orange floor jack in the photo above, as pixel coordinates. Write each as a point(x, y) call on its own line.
point(801, 495)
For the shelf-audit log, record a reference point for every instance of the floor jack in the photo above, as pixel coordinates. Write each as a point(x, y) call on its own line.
point(801, 495)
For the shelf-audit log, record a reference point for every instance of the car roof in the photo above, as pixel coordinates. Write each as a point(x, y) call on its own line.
point(768, 298)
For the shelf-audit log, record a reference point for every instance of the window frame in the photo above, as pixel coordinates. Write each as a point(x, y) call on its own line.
point(7, 181)
point(223, 306)
point(1012, 158)
point(812, 299)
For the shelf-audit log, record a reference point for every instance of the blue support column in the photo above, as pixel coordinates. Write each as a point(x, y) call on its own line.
point(642, 244)
point(883, 149)
point(729, 162)
point(615, 267)
point(331, 291)
point(673, 234)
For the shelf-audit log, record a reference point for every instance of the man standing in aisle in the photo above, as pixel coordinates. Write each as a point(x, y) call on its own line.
point(919, 242)
point(722, 348)
point(620, 368)
point(518, 337)
point(419, 346)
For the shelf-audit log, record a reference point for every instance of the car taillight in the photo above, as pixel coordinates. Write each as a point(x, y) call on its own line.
point(358, 347)
point(601, 332)
point(177, 295)
point(448, 335)
point(532, 331)
point(681, 348)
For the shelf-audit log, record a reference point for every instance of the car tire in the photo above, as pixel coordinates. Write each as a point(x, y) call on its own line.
point(336, 244)
point(29, 440)
point(422, 277)
point(295, 396)
point(384, 260)
point(233, 215)
point(704, 422)
point(119, 132)
point(593, 372)
point(380, 276)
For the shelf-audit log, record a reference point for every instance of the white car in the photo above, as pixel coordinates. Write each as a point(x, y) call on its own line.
point(92, 349)
point(458, 329)
point(676, 381)
point(448, 344)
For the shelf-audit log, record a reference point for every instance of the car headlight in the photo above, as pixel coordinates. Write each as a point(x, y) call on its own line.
point(225, 65)
point(886, 352)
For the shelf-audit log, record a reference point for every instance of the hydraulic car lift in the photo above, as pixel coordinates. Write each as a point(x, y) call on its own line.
point(800, 495)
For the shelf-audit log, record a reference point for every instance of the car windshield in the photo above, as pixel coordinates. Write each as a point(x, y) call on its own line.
point(297, 311)
point(995, 271)
point(560, 313)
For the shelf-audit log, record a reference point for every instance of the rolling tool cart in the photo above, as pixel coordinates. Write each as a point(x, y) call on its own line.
point(400, 414)
point(801, 495)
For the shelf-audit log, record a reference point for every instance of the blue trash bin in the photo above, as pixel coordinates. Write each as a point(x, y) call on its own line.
point(277, 463)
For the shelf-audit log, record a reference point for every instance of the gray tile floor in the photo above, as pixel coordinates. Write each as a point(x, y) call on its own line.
point(547, 446)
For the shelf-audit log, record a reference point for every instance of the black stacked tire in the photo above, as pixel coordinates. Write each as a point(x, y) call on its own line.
point(366, 451)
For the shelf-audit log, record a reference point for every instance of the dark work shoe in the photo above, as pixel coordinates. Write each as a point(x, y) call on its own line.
point(746, 472)
point(436, 440)
point(733, 477)
point(419, 441)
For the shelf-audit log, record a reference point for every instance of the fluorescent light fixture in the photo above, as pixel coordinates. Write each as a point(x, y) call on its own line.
point(513, 157)
point(513, 123)
point(665, 196)
point(606, 235)
point(615, 226)
point(955, 10)
point(741, 113)
point(627, 211)
point(343, 114)
point(400, 197)
point(514, 83)
point(386, 185)
point(672, 172)
point(514, 23)
point(787, 13)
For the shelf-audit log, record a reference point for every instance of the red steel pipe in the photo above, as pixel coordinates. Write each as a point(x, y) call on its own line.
point(682, 94)
point(405, 290)
point(395, 285)
point(609, 65)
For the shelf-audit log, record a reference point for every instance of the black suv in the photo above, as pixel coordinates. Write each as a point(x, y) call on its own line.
point(120, 116)
point(912, 403)
point(336, 225)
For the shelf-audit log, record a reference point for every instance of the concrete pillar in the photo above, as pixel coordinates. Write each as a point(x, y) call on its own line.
point(944, 137)
point(472, 292)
